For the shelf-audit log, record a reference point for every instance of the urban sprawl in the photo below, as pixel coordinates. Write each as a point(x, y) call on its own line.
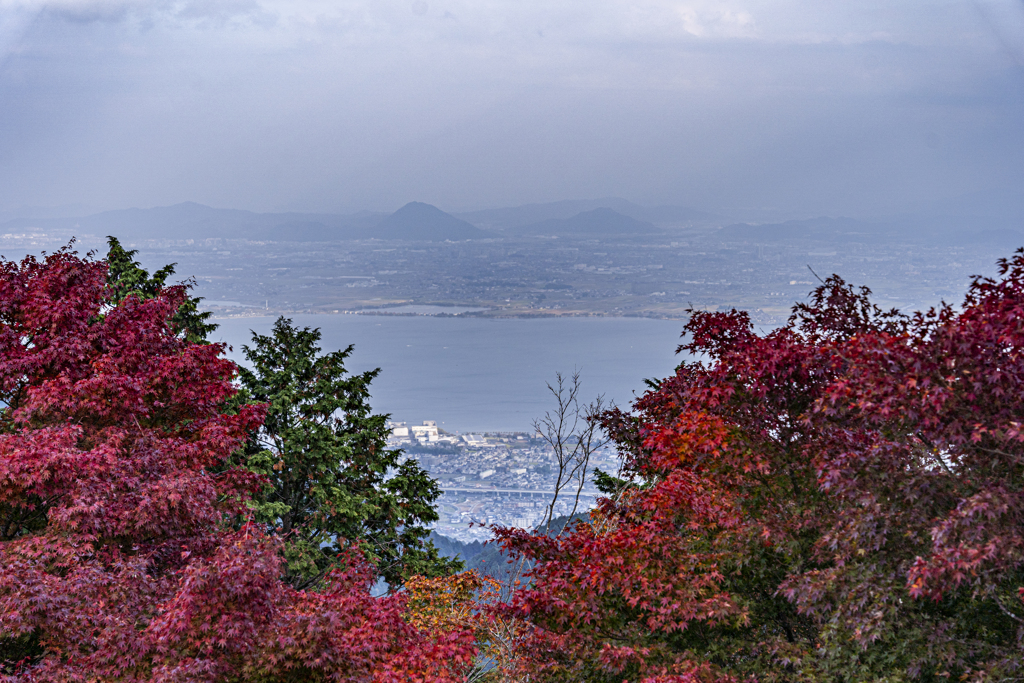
point(505, 478)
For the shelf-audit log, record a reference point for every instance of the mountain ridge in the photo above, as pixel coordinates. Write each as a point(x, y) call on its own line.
point(599, 222)
point(426, 222)
point(512, 217)
point(191, 220)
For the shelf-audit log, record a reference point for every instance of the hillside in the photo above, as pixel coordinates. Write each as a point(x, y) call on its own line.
point(512, 219)
point(419, 221)
point(414, 221)
point(196, 221)
point(488, 558)
point(600, 222)
point(454, 548)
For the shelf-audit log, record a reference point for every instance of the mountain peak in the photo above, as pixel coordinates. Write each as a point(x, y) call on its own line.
point(420, 221)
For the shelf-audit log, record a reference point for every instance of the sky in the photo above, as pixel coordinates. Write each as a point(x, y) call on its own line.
point(784, 107)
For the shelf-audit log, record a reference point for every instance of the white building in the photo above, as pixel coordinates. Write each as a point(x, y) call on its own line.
point(474, 440)
point(426, 431)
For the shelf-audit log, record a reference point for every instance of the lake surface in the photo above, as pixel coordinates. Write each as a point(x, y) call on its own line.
point(425, 309)
point(474, 374)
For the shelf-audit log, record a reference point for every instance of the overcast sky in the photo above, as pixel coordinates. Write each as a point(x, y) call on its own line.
point(854, 107)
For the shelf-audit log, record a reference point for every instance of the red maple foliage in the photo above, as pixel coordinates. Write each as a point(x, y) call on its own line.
point(841, 498)
point(125, 550)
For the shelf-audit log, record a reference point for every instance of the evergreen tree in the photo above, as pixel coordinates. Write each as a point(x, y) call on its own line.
point(333, 481)
point(126, 276)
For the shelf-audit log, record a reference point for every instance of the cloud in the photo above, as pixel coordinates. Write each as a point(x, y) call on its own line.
point(171, 12)
point(572, 21)
point(703, 21)
point(81, 11)
point(1005, 21)
point(323, 103)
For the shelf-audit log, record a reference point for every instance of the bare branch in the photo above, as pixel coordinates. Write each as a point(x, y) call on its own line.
point(573, 433)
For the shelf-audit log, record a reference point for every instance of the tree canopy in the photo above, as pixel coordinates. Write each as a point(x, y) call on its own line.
point(126, 276)
point(332, 480)
point(841, 498)
point(128, 550)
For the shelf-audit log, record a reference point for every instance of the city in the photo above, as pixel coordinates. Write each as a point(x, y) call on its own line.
point(709, 264)
point(506, 478)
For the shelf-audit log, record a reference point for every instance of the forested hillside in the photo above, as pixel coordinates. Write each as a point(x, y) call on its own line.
point(491, 559)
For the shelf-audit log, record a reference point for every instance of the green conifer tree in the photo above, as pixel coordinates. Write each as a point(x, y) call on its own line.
point(126, 276)
point(333, 481)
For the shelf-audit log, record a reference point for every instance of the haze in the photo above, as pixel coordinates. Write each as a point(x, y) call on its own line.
point(754, 108)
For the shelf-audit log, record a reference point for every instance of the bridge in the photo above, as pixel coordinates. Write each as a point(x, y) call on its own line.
point(566, 491)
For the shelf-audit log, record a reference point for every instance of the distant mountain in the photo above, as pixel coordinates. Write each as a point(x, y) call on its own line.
point(414, 221)
point(489, 559)
point(671, 216)
point(601, 222)
point(180, 221)
point(951, 229)
point(510, 218)
point(822, 228)
point(196, 221)
point(931, 229)
point(419, 221)
point(454, 548)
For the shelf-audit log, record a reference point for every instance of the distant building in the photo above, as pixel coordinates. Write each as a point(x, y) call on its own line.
point(486, 473)
point(425, 432)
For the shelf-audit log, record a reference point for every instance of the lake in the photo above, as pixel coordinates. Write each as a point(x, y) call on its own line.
point(477, 374)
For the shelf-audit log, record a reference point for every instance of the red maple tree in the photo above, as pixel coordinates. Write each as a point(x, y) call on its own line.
point(125, 548)
point(841, 498)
